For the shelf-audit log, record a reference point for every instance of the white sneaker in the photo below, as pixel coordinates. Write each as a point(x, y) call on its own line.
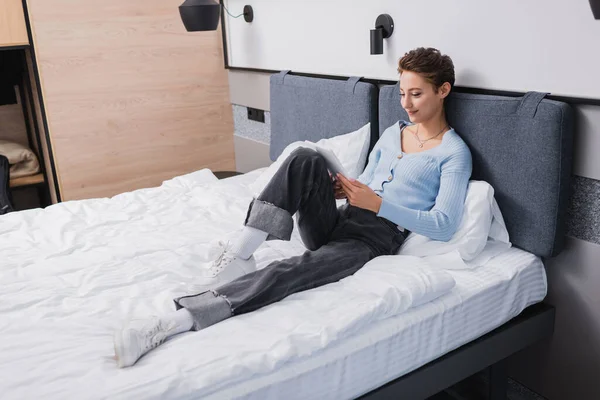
point(138, 338)
point(226, 268)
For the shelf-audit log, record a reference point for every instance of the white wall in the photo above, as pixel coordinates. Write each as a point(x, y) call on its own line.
point(519, 45)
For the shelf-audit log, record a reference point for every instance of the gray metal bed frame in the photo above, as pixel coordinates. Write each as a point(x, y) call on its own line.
point(534, 205)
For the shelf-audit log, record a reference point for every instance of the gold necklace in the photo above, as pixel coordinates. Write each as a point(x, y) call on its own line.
point(422, 142)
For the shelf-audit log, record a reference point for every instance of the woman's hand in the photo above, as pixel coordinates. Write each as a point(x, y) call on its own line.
point(359, 194)
point(338, 191)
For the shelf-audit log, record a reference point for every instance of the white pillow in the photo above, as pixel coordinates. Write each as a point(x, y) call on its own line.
point(481, 221)
point(352, 149)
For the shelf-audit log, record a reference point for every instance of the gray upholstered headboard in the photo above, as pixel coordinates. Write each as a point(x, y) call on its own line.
point(305, 108)
point(523, 148)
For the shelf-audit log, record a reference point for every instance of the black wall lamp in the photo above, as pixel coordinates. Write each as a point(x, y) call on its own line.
point(384, 27)
point(595, 4)
point(203, 15)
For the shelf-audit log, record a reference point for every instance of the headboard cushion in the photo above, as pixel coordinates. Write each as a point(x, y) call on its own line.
point(523, 147)
point(305, 108)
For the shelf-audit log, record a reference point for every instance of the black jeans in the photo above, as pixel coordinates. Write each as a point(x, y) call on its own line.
point(340, 241)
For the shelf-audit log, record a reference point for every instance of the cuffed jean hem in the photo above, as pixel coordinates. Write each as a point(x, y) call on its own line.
point(207, 308)
point(267, 217)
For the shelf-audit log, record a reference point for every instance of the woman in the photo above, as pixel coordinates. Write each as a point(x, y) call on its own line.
point(416, 180)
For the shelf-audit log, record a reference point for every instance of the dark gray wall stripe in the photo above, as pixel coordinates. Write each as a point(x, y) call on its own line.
point(583, 220)
point(243, 127)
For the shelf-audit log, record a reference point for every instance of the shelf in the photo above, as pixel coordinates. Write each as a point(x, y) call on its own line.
point(27, 180)
point(12, 46)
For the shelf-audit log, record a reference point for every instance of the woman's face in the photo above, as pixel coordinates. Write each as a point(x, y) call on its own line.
point(420, 98)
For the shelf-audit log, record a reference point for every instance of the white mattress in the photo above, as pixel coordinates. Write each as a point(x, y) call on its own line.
point(72, 273)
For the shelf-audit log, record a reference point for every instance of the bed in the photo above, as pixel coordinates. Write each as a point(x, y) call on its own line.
point(73, 272)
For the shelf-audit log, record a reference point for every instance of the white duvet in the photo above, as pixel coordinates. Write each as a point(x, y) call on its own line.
point(71, 274)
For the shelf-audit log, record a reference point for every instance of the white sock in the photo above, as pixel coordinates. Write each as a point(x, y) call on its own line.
point(182, 319)
point(248, 241)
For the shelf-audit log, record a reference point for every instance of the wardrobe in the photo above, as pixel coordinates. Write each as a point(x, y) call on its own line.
point(114, 96)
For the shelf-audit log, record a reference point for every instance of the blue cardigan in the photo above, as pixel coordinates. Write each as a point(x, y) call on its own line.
point(422, 192)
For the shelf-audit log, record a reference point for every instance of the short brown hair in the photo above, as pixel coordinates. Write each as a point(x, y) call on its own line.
point(430, 63)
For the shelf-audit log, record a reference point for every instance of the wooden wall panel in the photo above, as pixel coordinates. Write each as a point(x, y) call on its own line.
point(131, 98)
point(13, 31)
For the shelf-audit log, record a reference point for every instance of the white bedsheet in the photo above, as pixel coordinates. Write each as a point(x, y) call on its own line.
point(72, 273)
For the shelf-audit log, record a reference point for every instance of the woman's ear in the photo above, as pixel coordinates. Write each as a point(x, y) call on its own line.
point(444, 90)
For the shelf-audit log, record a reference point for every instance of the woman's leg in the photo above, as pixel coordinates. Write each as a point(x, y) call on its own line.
point(329, 263)
point(359, 237)
point(300, 186)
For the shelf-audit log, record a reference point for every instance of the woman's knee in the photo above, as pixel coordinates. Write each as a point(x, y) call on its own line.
point(304, 152)
point(304, 156)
